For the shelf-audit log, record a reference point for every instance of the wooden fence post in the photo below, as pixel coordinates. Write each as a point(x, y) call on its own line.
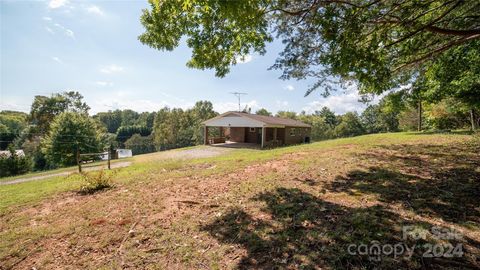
point(79, 162)
point(108, 157)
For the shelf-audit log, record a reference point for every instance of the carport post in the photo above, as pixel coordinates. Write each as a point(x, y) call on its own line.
point(205, 134)
point(263, 137)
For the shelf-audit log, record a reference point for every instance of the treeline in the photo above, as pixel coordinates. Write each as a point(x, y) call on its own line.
point(58, 126)
point(397, 111)
point(165, 129)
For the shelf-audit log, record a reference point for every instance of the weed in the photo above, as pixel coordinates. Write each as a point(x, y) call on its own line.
point(95, 181)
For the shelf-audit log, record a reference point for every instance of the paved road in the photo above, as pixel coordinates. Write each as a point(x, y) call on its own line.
point(40, 177)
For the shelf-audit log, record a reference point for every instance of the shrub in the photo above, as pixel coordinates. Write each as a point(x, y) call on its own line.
point(95, 181)
point(13, 164)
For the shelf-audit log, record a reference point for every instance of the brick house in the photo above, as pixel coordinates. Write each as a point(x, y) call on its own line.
point(264, 131)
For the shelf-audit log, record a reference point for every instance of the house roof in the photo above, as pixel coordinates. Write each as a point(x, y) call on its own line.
point(261, 119)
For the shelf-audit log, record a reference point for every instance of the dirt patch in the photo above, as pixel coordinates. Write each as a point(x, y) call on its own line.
point(300, 209)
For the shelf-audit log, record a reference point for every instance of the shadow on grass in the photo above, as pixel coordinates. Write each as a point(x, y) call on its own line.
point(452, 195)
point(424, 178)
point(303, 231)
point(446, 131)
point(297, 229)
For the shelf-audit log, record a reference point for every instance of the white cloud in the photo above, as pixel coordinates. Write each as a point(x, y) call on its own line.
point(95, 10)
point(289, 87)
point(222, 107)
point(56, 59)
point(127, 99)
point(244, 59)
point(68, 32)
point(47, 18)
point(14, 104)
point(340, 104)
point(104, 84)
point(57, 3)
point(111, 69)
point(49, 30)
point(140, 105)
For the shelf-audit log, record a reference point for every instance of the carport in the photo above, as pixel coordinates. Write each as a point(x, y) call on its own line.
point(245, 128)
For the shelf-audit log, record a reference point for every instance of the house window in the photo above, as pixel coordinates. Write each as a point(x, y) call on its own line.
point(292, 132)
point(252, 129)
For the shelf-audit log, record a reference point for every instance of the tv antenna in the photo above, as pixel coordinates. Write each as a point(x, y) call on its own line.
point(238, 95)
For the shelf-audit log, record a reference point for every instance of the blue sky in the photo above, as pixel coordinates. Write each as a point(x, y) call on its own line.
point(92, 47)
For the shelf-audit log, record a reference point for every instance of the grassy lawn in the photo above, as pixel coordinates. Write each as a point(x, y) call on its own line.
point(298, 207)
point(61, 170)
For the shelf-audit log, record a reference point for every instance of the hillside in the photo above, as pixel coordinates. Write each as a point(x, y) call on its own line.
point(307, 206)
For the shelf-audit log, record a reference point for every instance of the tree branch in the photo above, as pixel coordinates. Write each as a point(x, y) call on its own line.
point(437, 51)
point(426, 27)
point(453, 32)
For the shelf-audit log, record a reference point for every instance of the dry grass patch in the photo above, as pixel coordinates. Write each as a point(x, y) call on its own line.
point(292, 208)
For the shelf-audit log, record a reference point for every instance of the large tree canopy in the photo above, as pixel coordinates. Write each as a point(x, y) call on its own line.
point(44, 109)
point(378, 44)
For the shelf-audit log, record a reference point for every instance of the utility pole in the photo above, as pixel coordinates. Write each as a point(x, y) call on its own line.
point(238, 95)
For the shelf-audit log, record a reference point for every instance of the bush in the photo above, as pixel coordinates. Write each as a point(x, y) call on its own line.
point(13, 164)
point(95, 181)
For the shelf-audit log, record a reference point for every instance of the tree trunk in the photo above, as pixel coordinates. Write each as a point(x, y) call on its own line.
point(472, 118)
point(419, 128)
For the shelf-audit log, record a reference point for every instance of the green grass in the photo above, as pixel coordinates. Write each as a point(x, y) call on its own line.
point(34, 191)
point(239, 208)
point(60, 170)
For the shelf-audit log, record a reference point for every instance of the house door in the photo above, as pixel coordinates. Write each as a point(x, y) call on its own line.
point(259, 136)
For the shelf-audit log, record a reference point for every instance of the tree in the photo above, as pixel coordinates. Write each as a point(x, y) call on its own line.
point(70, 132)
point(146, 119)
point(129, 117)
point(329, 116)
point(447, 114)
point(349, 126)
point(263, 111)
point(15, 121)
point(408, 119)
point(286, 114)
point(111, 120)
point(173, 128)
point(456, 74)
point(13, 164)
point(378, 44)
point(6, 136)
point(320, 129)
point(370, 119)
point(11, 125)
point(202, 111)
point(125, 132)
point(45, 109)
point(140, 144)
